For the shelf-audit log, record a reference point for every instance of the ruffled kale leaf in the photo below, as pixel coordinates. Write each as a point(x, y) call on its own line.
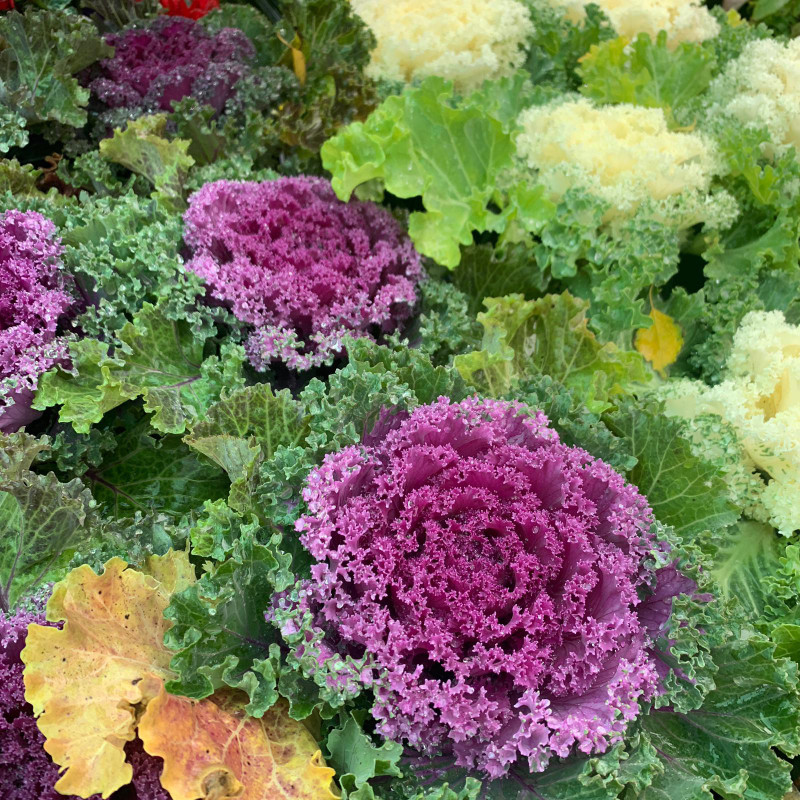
point(245, 429)
point(557, 45)
point(220, 635)
point(550, 336)
point(444, 325)
point(158, 359)
point(647, 73)
point(144, 149)
point(123, 252)
point(40, 52)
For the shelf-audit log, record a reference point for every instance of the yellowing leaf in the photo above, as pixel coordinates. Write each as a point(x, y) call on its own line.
point(298, 58)
point(213, 750)
point(661, 342)
point(88, 680)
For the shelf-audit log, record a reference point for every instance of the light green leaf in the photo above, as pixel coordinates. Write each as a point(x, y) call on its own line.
point(353, 753)
point(419, 144)
point(144, 149)
point(550, 336)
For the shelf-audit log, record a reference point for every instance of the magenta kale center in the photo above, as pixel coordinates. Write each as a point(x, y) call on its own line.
point(32, 298)
point(300, 266)
point(494, 574)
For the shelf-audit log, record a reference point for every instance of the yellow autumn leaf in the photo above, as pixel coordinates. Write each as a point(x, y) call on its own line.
point(661, 342)
point(89, 680)
point(214, 751)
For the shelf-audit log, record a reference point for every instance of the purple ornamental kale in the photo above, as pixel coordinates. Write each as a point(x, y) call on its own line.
point(169, 59)
point(32, 298)
point(494, 574)
point(26, 770)
point(302, 267)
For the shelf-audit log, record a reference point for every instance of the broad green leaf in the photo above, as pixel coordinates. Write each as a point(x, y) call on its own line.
point(151, 473)
point(685, 492)
point(160, 360)
point(646, 72)
point(742, 560)
point(248, 426)
point(550, 336)
point(725, 746)
point(487, 271)
point(41, 522)
point(40, 52)
point(144, 149)
point(219, 632)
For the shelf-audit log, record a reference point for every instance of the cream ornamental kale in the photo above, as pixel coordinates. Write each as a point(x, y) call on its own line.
point(302, 267)
point(169, 59)
point(32, 298)
point(494, 575)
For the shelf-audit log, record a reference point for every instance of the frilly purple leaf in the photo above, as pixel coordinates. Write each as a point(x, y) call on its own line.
point(32, 299)
point(303, 268)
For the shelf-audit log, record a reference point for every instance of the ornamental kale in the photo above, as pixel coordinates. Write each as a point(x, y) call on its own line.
point(32, 298)
point(300, 266)
point(494, 574)
point(26, 770)
point(169, 59)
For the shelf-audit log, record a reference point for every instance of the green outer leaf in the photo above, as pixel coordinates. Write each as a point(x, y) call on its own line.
point(742, 560)
point(160, 360)
point(646, 72)
point(419, 144)
point(144, 149)
point(146, 473)
point(725, 746)
point(549, 336)
point(250, 416)
point(486, 271)
point(41, 521)
point(40, 51)
point(684, 491)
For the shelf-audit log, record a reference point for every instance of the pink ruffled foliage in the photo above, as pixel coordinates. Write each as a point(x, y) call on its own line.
point(171, 58)
point(32, 298)
point(26, 770)
point(494, 574)
point(300, 266)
